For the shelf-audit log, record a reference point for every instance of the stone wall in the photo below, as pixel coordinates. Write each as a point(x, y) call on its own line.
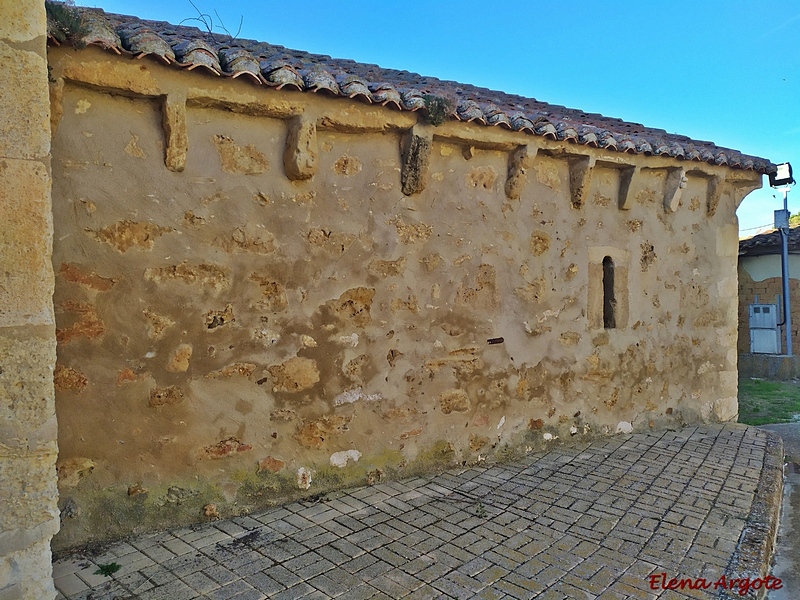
point(262, 294)
point(29, 516)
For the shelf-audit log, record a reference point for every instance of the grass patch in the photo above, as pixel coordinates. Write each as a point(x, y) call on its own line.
point(762, 402)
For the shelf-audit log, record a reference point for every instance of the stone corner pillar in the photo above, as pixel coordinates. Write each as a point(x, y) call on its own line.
point(28, 447)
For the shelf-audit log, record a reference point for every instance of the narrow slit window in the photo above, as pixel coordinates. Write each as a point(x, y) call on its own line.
point(609, 302)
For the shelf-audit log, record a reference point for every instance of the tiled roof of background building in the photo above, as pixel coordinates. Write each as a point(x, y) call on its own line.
point(769, 242)
point(273, 66)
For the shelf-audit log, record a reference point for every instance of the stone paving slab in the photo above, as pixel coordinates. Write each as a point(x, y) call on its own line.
point(599, 520)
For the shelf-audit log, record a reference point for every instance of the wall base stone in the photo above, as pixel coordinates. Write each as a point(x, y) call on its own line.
point(27, 573)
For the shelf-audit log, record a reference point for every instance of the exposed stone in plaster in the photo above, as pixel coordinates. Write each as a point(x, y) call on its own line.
point(464, 360)
point(539, 243)
point(224, 448)
point(354, 368)
point(476, 442)
point(354, 395)
point(347, 165)
point(624, 427)
point(484, 296)
point(410, 232)
point(270, 464)
point(73, 274)
point(133, 149)
point(219, 318)
point(400, 412)
point(179, 360)
point(66, 378)
point(87, 325)
point(240, 369)
point(410, 304)
point(431, 262)
point(274, 295)
point(648, 255)
point(340, 459)
point(294, 375)
point(162, 396)
point(300, 154)
point(453, 401)
point(156, 323)
point(252, 237)
point(416, 153)
point(240, 160)
point(72, 470)
point(124, 235)
point(211, 511)
point(204, 274)
point(335, 243)
point(411, 433)
point(126, 375)
point(312, 434)
point(392, 356)
point(353, 306)
point(265, 336)
point(304, 478)
point(387, 268)
point(283, 414)
point(481, 177)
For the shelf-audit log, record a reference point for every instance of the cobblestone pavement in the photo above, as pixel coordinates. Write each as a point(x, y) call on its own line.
point(589, 521)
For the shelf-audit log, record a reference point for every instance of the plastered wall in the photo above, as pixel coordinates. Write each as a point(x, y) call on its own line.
point(265, 294)
point(29, 516)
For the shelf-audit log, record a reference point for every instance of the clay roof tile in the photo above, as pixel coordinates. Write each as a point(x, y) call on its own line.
point(278, 67)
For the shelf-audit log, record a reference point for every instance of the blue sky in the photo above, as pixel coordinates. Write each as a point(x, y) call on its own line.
point(726, 71)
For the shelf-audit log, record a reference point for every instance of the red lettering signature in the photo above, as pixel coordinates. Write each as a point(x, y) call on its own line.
point(659, 581)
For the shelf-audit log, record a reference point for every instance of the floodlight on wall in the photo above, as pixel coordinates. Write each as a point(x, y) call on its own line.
point(782, 176)
point(781, 179)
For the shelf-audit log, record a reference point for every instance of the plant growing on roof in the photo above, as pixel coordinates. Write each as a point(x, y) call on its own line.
point(208, 22)
point(437, 108)
point(64, 21)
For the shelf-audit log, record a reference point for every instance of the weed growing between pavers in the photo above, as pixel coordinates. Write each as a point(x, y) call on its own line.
point(108, 569)
point(762, 402)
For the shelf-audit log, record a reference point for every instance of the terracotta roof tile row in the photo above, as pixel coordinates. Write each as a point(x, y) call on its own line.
point(769, 242)
point(277, 67)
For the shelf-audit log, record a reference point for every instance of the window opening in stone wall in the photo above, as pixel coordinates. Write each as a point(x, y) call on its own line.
point(609, 302)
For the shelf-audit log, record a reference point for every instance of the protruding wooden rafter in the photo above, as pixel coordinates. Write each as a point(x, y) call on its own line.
point(580, 178)
point(519, 161)
point(173, 117)
point(416, 155)
point(715, 185)
point(673, 188)
point(301, 152)
point(627, 177)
